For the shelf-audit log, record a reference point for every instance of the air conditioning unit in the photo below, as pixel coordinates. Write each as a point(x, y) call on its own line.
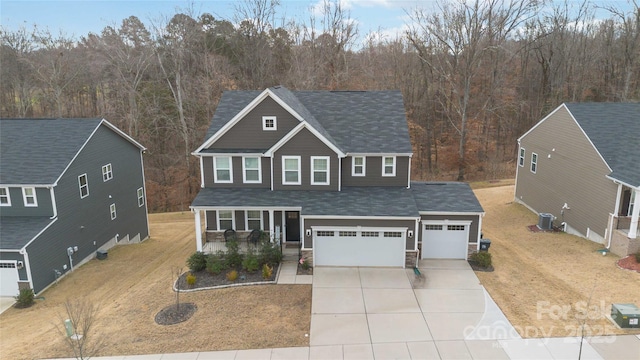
point(545, 221)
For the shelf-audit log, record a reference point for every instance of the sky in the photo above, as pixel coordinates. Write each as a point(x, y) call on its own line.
point(79, 17)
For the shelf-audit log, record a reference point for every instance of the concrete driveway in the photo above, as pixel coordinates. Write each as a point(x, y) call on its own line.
point(390, 313)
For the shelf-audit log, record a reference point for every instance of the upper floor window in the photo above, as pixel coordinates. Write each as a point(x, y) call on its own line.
point(5, 197)
point(107, 173)
point(521, 157)
point(254, 220)
point(222, 169)
point(225, 219)
point(251, 172)
point(83, 184)
point(359, 166)
point(269, 123)
point(388, 166)
point(319, 170)
point(112, 210)
point(140, 193)
point(291, 170)
point(29, 196)
point(534, 162)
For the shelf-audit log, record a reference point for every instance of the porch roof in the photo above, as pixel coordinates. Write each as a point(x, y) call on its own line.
point(351, 201)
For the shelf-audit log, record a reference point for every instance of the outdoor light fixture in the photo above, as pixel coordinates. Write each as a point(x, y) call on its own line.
point(308, 232)
point(410, 233)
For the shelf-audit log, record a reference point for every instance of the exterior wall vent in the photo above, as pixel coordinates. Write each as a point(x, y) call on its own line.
point(545, 221)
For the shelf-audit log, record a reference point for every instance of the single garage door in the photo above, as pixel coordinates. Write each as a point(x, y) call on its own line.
point(445, 241)
point(8, 279)
point(359, 247)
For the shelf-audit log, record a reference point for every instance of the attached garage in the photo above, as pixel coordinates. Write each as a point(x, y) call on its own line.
point(359, 246)
point(8, 279)
point(445, 240)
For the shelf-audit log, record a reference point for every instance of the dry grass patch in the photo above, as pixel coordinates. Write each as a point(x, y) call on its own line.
point(134, 284)
point(547, 283)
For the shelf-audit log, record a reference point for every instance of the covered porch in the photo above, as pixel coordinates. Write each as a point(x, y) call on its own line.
point(624, 227)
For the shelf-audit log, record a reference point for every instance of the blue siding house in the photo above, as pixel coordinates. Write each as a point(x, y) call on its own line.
point(68, 187)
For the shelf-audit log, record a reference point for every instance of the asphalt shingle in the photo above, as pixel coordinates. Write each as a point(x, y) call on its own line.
point(17, 231)
point(445, 197)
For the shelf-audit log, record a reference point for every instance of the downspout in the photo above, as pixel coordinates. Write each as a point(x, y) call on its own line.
point(409, 172)
point(201, 172)
point(54, 206)
point(339, 173)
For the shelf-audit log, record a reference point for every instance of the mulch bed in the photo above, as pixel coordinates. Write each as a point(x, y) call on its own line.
point(302, 271)
point(205, 280)
point(629, 263)
point(175, 314)
point(477, 267)
point(535, 228)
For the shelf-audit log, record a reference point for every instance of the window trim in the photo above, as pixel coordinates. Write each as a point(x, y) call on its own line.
point(25, 196)
point(393, 166)
point(86, 185)
point(246, 220)
point(327, 171)
point(364, 166)
point(534, 163)
point(215, 170)
point(112, 211)
point(264, 123)
point(107, 172)
point(233, 219)
point(140, 194)
point(7, 196)
point(299, 170)
point(521, 157)
point(244, 170)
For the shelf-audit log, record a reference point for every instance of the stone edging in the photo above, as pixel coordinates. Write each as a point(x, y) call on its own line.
point(270, 282)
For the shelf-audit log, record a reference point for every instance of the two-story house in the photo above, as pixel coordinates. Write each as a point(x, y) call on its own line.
point(68, 187)
point(330, 171)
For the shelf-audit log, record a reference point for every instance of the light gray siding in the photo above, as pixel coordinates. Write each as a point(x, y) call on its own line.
point(473, 230)
point(374, 172)
point(17, 208)
point(569, 170)
point(248, 134)
point(409, 224)
point(305, 145)
point(265, 163)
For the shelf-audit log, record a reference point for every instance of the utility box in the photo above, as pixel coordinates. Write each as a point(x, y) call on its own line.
point(101, 254)
point(545, 221)
point(625, 315)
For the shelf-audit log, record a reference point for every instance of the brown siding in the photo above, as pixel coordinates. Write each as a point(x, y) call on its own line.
point(239, 220)
point(569, 171)
point(207, 163)
point(409, 224)
point(473, 230)
point(212, 223)
point(305, 145)
point(374, 172)
point(248, 134)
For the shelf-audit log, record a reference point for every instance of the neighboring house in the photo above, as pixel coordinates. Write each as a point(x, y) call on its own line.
point(581, 163)
point(328, 170)
point(68, 187)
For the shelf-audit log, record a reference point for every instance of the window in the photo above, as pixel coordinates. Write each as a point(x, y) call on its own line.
point(521, 157)
point(455, 227)
point(324, 233)
point(222, 169)
point(251, 172)
point(534, 162)
point(107, 174)
point(388, 166)
point(254, 219)
point(83, 184)
point(225, 219)
point(29, 197)
point(112, 210)
point(5, 198)
point(370, 234)
point(359, 166)
point(392, 234)
point(269, 123)
point(348, 233)
point(319, 170)
point(291, 170)
point(140, 193)
point(432, 227)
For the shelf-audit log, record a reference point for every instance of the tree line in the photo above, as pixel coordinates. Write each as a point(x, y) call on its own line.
point(475, 75)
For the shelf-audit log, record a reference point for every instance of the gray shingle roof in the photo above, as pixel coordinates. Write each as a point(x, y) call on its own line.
point(445, 197)
point(614, 129)
point(355, 121)
point(36, 151)
point(17, 231)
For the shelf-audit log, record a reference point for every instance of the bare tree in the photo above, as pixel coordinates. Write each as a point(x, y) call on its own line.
point(82, 316)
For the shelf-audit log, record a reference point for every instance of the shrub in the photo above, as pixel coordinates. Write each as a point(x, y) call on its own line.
point(267, 271)
point(191, 279)
point(482, 258)
point(232, 275)
point(197, 261)
point(269, 253)
point(233, 258)
point(304, 263)
point(638, 257)
point(25, 298)
point(250, 262)
point(215, 264)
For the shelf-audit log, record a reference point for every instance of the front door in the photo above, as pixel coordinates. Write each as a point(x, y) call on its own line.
point(293, 225)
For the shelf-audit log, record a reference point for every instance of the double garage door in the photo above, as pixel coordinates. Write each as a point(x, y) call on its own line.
point(8, 279)
point(445, 240)
point(359, 246)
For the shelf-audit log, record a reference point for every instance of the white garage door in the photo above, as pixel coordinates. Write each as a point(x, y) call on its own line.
point(359, 247)
point(8, 279)
point(444, 241)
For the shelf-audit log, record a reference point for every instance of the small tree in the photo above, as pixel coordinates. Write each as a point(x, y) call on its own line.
point(81, 316)
point(175, 273)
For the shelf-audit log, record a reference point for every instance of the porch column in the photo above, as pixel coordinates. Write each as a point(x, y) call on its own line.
point(271, 226)
point(198, 230)
point(633, 230)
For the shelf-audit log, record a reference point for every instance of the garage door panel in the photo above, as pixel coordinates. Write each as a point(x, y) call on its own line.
point(8, 279)
point(445, 241)
point(359, 250)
